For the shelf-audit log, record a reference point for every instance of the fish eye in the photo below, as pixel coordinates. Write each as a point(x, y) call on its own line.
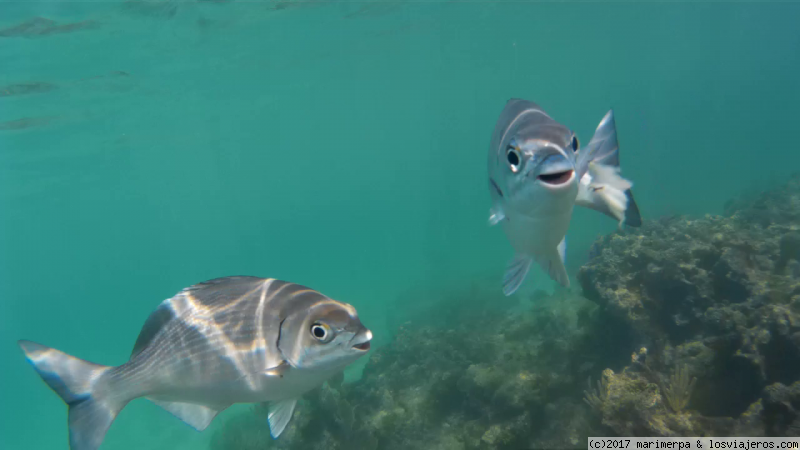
point(513, 157)
point(575, 143)
point(319, 331)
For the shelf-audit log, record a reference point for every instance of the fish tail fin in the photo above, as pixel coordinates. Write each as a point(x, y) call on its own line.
point(607, 192)
point(603, 148)
point(632, 215)
point(601, 187)
point(610, 188)
point(75, 381)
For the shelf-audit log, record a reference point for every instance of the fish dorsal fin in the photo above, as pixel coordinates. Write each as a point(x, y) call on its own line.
point(231, 282)
point(280, 413)
point(196, 416)
point(154, 323)
point(223, 291)
point(212, 294)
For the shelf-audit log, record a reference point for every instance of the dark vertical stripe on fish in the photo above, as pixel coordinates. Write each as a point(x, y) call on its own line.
point(496, 187)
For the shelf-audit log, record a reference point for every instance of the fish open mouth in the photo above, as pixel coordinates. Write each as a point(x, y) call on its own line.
point(364, 346)
point(556, 178)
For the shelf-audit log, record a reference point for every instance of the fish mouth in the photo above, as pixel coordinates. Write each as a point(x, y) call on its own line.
point(556, 178)
point(364, 345)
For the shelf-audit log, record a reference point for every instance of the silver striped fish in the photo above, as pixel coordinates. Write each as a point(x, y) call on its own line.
point(225, 341)
point(538, 173)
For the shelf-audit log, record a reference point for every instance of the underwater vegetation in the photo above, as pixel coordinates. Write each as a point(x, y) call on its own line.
point(485, 378)
point(717, 298)
point(688, 327)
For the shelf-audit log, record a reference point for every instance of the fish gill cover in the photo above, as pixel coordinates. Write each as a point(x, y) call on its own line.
point(691, 328)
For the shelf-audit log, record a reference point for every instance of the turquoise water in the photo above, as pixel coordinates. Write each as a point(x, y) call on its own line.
point(340, 145)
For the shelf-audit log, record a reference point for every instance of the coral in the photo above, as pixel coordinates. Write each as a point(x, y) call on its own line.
point(596, 398)
point(716, 297)
point(680, 389)
point(710, 286)
point(789, 250)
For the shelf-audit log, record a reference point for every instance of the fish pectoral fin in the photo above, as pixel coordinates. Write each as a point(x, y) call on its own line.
point(196, 416)
point(280, 413)
point(496, 215)
point(515, 273)
point(553, 264)
point(279, 370)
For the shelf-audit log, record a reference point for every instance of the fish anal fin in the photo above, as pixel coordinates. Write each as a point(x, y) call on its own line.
point(280, 413)
point(553, 264)
point(515, 273)
point(196, 416)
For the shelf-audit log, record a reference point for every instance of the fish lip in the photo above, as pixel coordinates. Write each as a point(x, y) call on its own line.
point(556, 178)
point(364, 345)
